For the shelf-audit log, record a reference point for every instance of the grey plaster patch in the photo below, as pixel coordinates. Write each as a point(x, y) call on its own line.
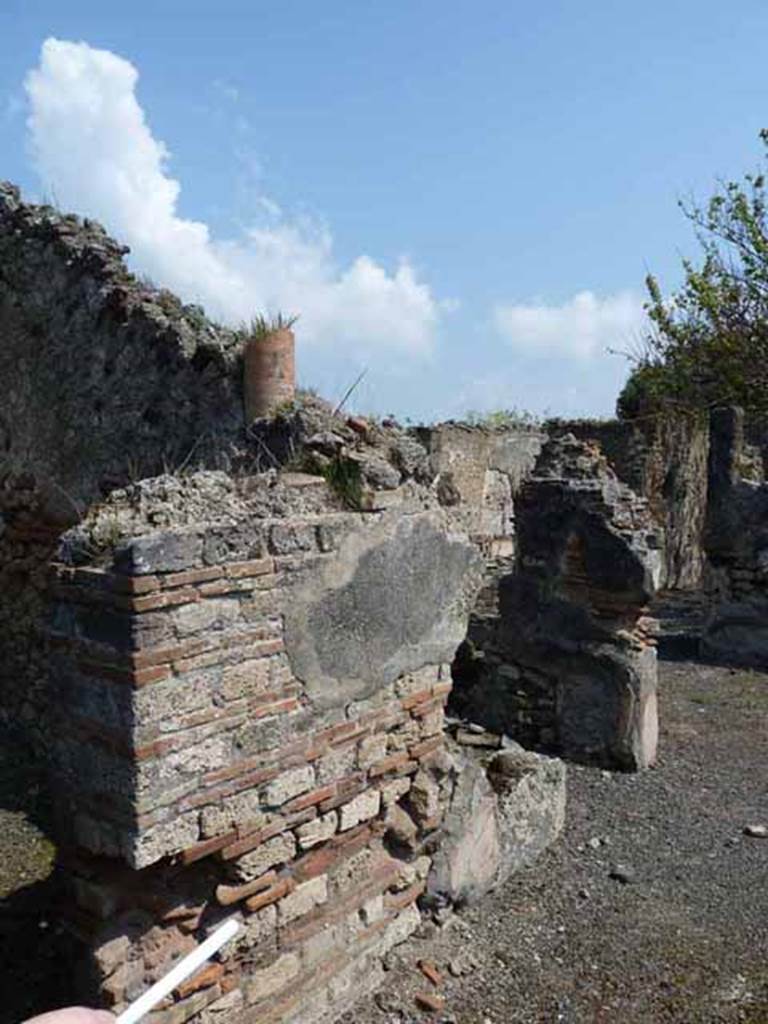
point(396, 597)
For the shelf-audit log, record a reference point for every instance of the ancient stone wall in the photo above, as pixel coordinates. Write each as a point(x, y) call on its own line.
point(105, 379)
point(665, 460)
point(110, 380)
point(569, 664)
point(478, 472)
point(736, 543)
point(239, 672)
point(251, 722)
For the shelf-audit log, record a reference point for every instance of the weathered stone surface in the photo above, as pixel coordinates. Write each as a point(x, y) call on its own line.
point(278, 850)
point(468, 860)
point(379, 473)
point(736, 632)
point(160, 552)
point(530, 804)
point(272, 979)
point(664, 459)
point(76, 325)
point(303, 899)
point(424, 797)
point(317, 831)
point(190, 752)
point(363, 807)
point(397, 597)
point(504, 811)
point(288, 785)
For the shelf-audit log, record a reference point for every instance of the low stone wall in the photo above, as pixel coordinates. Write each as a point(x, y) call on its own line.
point(250, 721)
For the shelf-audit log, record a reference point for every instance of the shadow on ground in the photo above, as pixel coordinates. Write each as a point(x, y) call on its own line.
point(35, 953)
point(681, 619)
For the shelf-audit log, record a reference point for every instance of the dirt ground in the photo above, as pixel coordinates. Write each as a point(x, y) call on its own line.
point(652, 907)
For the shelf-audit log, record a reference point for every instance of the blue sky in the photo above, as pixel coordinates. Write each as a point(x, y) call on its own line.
point(462, 197)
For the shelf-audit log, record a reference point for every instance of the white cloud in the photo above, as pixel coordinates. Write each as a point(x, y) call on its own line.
point(581, 328)
point(91, 143)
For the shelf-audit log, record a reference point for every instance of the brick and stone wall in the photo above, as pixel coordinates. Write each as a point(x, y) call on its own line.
point(105, 379)
point(109, 380)
point(238, 674)
point(569, 662)
point(250, 721)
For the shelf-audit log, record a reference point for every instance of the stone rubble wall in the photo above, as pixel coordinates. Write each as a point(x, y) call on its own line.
point(569, 663)
point(105, 379)
point(250, 721)
point(28, 542)
point(480, 470)
point(110, 380)
point(237, 671)
point(665, 461)
point(736, 543)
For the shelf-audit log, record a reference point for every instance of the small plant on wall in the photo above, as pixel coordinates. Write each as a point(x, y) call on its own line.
point(262, 327)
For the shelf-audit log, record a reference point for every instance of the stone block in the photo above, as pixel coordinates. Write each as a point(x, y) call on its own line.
point(336, 765)
point(371, 749)
point(736, 633)
point(362, 808)
point(246, 679)
point(530, 804)
point(181, 1012)
point(203, 616)
point(279, 850)
point(288, 785)
point(273, 979)
point(317, 831)
point(397, 628)
point(303, 899)
point(260, 928)
point(505, 809)
point(167, 551)
point(424, 797)
point(235, 542)
point(243, 809)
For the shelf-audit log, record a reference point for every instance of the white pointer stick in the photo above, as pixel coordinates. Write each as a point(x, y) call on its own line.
point(191, 963)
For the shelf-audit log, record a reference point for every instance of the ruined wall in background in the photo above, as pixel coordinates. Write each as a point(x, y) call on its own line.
point(104, 380)
point(478, 474)
point(736, 543)
point(251, 722)
point(665, 460)
point(569, 663)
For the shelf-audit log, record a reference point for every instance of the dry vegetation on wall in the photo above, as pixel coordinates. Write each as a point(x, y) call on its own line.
point(708, 345)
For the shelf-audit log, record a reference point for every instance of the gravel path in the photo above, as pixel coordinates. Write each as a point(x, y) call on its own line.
point(683, 939)
point(680, 935)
